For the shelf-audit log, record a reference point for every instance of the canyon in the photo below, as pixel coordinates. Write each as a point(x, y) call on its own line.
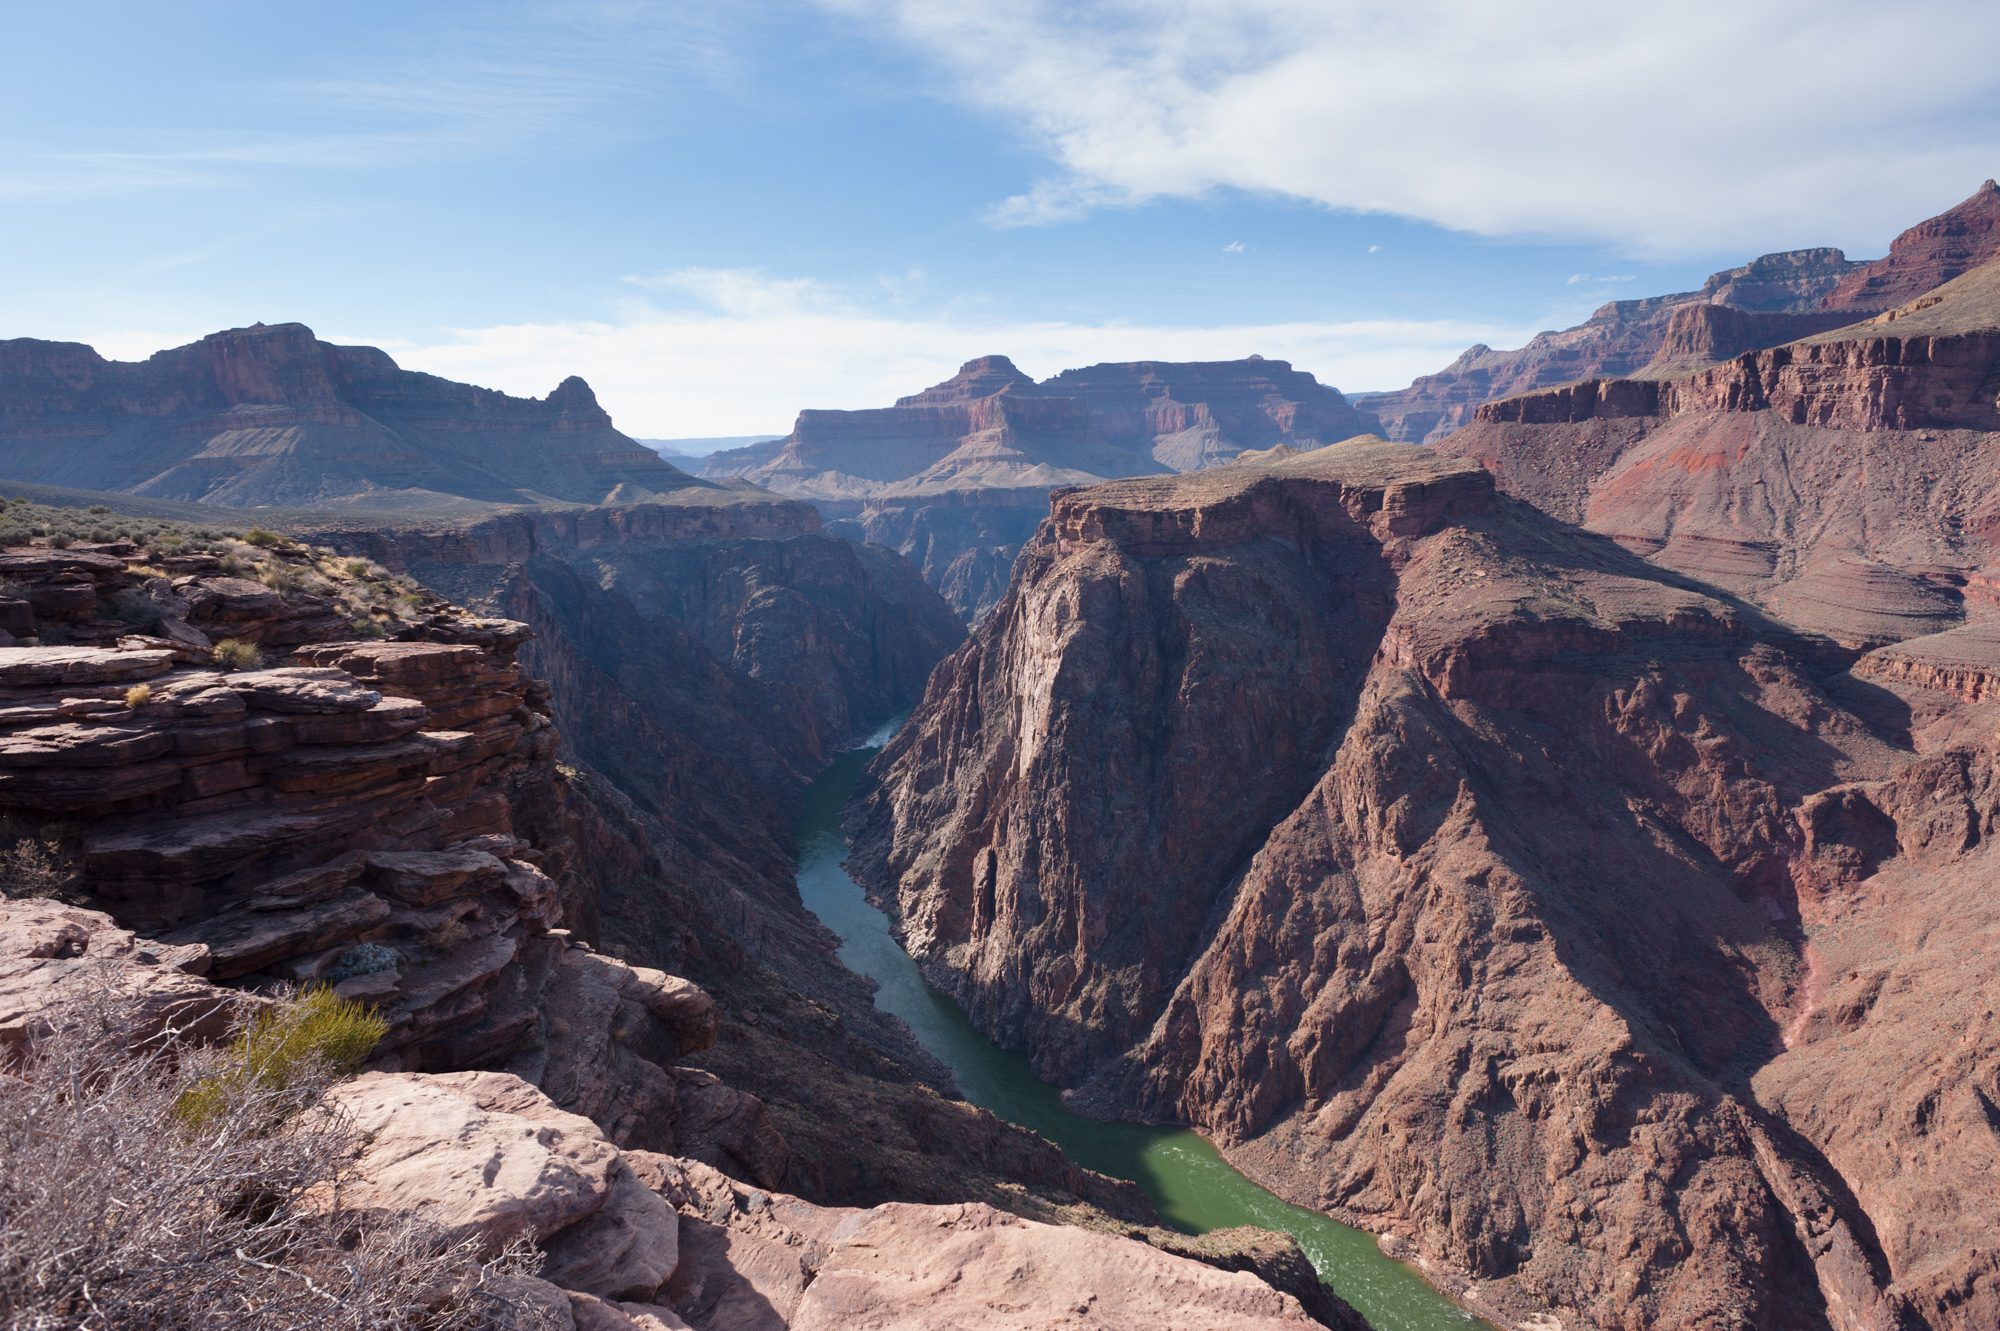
point(1469, 877)
point(1553, 838)
point(957, 477)
point(389, 813)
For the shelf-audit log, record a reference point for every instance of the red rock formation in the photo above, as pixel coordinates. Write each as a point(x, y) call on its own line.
point(1926, 256)
point(270, 415)
point(1454, 869)
point(1844, 481)
point(1196, 414)
point(1775, 299)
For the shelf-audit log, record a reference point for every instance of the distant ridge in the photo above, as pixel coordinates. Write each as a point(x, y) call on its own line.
point(271, 415)
point(1768, 301)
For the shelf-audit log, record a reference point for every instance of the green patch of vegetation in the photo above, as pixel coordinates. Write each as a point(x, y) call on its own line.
point(315, 1034)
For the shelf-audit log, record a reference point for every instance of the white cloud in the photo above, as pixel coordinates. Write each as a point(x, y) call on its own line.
point(1234, 247)
point(1671, 127)
point(726, 352)
point(1374, 249)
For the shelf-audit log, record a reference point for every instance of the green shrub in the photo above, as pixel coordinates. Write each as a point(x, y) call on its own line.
point(236, 654)
point(263, 540)
point(315, 1034)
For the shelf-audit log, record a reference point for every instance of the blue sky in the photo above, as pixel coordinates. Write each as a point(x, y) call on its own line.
point(722, 213)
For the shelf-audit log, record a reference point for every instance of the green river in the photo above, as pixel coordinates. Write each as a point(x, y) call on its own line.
point(1189, 1183)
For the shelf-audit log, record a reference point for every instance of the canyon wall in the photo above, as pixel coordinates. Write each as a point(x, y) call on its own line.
point(1469, 877)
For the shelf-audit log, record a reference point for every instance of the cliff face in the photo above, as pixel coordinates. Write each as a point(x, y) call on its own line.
point(1928, 255)
point(383, 816)
point(1843, 481)
point(1771, 300)
point(1462, 874)
point(272, 415)
point(955, 477)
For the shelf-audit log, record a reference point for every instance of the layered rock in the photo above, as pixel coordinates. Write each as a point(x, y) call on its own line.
point(271, 415)
point(1189, 415)
point(1453, 869)
point(1843, 481)
point(358, 815)
point(703, 675)
point(1771, 300)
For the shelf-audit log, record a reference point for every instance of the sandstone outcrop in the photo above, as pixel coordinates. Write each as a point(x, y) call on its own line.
point(1772, 300)
point(272, 415)
point(1464, 876)
point(641, 1239)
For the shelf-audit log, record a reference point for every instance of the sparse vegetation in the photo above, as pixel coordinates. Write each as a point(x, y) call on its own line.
point(138, 695)
point(38, 861)
point(117, 1211)
point(236, 654)
point(22, 522)
point(375, 601)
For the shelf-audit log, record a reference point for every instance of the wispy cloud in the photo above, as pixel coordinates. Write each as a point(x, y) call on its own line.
point(527, 73)
point(1476, 116)
point(1234, 247)
point(725, 351)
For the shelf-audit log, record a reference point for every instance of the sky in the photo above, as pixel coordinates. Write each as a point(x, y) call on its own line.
point(721, 213)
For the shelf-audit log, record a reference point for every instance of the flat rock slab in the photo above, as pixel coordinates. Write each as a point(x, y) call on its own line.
point(449, 1149)
point(973, 1268)
point(29, 667)
point(298, 689)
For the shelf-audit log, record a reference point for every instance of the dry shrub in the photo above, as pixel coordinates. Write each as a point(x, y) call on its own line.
point(236, 654)
point(36, 863)
point(116, 1211)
